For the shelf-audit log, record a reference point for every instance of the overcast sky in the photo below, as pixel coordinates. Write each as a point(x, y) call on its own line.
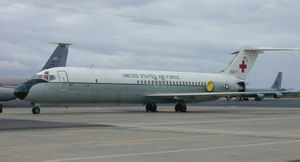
point(173, 35)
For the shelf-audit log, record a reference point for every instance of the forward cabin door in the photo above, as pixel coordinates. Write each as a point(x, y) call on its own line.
point(63, 79)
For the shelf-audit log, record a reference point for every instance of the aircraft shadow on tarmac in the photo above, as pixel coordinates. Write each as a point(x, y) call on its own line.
point(219, 110)
point(17, 124)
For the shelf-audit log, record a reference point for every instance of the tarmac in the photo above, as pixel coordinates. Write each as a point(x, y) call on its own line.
point(219, 131)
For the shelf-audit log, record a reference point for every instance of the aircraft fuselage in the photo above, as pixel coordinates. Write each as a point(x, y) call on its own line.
point(83, 85)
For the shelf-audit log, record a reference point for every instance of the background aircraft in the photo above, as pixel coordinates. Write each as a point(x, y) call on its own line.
point(276, 88)
point(57, 59)
point(88, 85)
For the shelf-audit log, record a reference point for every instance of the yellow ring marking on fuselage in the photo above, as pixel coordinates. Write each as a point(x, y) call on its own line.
point(210, 86)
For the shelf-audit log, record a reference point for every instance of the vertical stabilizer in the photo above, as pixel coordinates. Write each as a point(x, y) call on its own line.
point(58, 57)
point(243, 62)
point(277, 81)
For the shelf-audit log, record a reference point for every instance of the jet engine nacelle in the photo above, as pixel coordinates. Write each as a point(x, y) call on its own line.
point(277, 95)
point(7, 94)
point(259, 97)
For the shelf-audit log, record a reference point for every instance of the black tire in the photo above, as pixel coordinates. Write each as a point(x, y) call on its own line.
point(148, 107)
point(177, 107)
point(151, 107)
point(154, 108)
point(1, 108)
point(180, 108)
point(36, 110)
point(183, 108)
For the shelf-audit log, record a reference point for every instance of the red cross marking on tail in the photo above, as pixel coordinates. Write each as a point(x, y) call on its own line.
point(243, 66)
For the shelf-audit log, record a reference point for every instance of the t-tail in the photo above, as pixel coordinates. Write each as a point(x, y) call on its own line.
point(243, 62)
point(58, 57)
point(277, 81)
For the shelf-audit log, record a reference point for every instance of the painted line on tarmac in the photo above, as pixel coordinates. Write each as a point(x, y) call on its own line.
point(205, 122)
point(216, 133)
point(173, 151)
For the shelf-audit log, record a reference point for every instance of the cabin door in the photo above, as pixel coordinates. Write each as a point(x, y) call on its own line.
point(63, 79)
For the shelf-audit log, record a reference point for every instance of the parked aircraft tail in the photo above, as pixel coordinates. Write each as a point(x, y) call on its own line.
point(243, 62)
point(58, 57)
point(277, 81)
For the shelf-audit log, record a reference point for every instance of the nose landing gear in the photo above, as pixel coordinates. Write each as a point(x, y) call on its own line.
point(36, 110)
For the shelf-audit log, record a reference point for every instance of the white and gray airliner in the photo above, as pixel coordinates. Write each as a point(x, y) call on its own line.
point(91, 85)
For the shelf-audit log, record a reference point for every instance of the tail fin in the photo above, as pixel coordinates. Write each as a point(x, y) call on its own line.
point(58, 57)
point(243, 62)
point(277, 81)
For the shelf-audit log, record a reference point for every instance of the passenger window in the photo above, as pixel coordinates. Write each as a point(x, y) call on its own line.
point(149, 82)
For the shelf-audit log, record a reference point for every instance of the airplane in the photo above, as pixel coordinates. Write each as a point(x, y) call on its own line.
point(276, 86)
point(90, 85)
point(8, 85)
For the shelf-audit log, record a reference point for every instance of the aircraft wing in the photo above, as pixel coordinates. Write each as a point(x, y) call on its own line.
point(181, 96)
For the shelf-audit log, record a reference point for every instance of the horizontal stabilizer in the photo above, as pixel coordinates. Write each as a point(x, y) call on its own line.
point(261, 50)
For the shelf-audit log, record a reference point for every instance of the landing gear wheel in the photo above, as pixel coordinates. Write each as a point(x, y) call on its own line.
point(180, 108)
point(151, 107)
point(36, 110)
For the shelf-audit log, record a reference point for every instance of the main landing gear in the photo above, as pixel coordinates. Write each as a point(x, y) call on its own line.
point(180, 107)
point(151, 107)
point(1, 109)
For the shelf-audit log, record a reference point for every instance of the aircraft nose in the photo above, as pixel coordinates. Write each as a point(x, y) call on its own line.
point(22, 90)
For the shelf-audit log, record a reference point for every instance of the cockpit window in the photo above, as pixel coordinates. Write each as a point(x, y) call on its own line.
point(46, 77)
point(52, 77)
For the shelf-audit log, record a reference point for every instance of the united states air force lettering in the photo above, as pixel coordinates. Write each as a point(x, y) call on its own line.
point(150, 76)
